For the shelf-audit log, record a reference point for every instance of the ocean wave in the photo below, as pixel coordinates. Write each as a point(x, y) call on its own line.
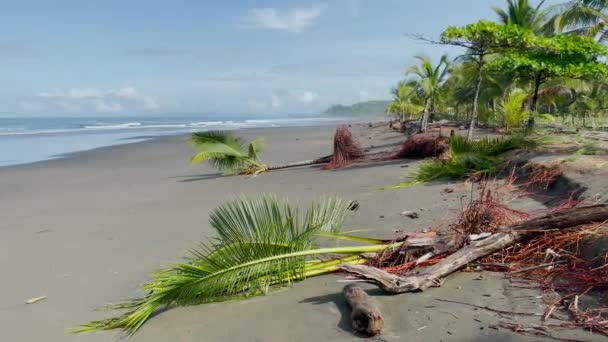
point(114, 126)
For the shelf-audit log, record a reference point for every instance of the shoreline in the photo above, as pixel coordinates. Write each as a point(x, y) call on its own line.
point(150, 138)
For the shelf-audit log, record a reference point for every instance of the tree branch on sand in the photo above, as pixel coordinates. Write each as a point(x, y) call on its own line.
point(511, 234)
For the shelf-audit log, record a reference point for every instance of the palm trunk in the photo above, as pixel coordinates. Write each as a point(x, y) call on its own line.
point(537, 82)
point(425, 116)
point(475, 100)
point(322, 160)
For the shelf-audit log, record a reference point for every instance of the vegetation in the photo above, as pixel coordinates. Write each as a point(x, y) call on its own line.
point(426, 83)
point(370, 108)
point(467, 158)
point(261, 244)
point(227, 152)
point(551, 59)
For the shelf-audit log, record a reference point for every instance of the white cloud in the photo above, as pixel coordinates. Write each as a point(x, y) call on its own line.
point(307, 96)
point(364, 95)
point(293, 20)
point(100, 100)
point(275, 101)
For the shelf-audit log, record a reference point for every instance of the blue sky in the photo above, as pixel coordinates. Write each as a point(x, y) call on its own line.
point(160, 57)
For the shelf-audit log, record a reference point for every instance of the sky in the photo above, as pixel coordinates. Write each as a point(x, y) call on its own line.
point(132, 57)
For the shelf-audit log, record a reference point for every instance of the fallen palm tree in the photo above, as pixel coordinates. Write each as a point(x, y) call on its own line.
point(461, 159)
point(261, 244)
point(232, 155)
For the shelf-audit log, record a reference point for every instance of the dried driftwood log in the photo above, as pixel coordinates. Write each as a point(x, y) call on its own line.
point(478, 249)
point(366, 316)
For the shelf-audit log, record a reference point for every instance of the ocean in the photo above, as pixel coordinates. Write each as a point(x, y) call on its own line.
point(26, 140)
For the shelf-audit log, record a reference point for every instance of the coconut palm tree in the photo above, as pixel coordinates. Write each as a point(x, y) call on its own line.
point(261, 244)
point(427, 80)
point(405, 103)
point(586, 17)
point(512, 109)
point(522, 13)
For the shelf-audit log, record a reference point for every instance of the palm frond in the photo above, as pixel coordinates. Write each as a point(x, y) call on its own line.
point(260, 244)
point(227, 152)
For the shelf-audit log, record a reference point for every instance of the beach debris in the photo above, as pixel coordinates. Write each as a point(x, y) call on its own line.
point(423, 146)
point(410, 214)
point(508, 236)
point(366, 317)
point(475, 237)
point(346, 149)
point(354, 205)
point(448, 190)
point(35, 299)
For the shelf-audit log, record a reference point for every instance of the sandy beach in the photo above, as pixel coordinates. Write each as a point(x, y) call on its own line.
point(88, 229)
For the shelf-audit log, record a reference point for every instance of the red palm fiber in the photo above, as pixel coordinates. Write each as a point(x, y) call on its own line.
point(346, 149)
point(423, 146)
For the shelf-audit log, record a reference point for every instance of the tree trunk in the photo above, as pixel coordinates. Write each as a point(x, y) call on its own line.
point(475, 99)
point(511, 234)
point(322, 160)
point(533, 105)
point(425, 116)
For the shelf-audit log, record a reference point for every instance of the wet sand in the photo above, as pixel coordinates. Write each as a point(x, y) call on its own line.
point(88, 229)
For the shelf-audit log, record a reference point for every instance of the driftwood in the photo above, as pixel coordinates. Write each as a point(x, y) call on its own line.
point(366, 317)
point(431, 276)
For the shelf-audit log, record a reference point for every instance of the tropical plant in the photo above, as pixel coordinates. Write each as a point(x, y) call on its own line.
point(405, 103)
point(466, 158)
point(227, 152)
point(563, 56)
point(512, 109)
point(586, 17)
point(427, 81)
point(483, 39)
point(260, 244)
point(521, 13)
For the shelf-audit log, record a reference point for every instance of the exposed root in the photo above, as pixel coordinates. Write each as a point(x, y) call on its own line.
point(543, 176)
point(483, 215)
point(423, 146)
point(346, 149)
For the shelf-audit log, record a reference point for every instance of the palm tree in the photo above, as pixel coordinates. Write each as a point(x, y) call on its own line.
point(405, 102)
point(232, 155)
point(586, 17)
point(427, 81)
point(521, 13)
point(512, 108)
point(261, 244)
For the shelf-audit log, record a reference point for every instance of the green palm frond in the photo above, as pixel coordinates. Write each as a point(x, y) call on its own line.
point(260, 244)
point(227, 152)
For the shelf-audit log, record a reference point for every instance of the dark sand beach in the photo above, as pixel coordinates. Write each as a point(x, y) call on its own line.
point(88, 229)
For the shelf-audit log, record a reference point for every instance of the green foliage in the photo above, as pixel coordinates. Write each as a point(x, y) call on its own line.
point(522, 14)
point(558, 56)
point(227, 152)
point(486, 37)
point(489, 146)
point(368, 108)
point(406, 102)
point(586, 17)
point(467, 158)
point(260, 244)
point(512, 109)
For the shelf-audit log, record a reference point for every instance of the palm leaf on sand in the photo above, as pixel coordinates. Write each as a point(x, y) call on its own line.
point(227, 152)
point(260, 244)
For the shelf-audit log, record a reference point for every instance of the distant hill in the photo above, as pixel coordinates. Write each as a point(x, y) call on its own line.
point(371, 108)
